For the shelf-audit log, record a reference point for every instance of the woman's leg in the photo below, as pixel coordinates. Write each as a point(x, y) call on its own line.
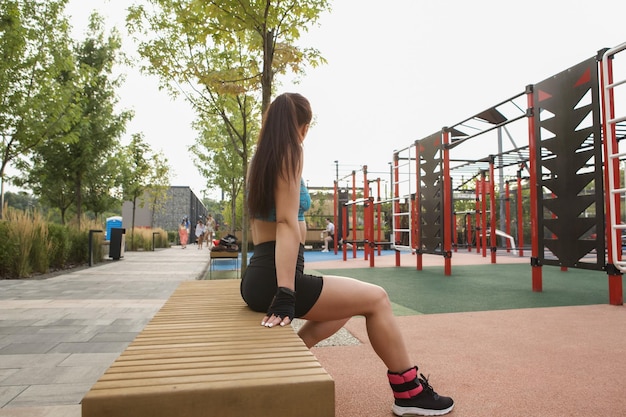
point(343, 298)
point(313, 332)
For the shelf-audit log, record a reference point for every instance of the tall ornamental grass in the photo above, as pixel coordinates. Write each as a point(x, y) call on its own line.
point(142, 239)
point(30, 245)
point(21, 234)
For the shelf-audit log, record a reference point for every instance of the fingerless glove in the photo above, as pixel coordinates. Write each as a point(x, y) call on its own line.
point(284, 304)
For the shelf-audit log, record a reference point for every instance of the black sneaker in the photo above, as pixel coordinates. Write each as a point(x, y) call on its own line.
point(426, 403)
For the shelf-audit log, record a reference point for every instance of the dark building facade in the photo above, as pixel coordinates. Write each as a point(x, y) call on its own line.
point(180, 202)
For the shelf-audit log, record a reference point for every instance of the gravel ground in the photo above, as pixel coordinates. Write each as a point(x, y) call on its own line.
point(341, 338)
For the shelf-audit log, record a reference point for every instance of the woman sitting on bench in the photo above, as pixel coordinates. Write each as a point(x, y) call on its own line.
point(274, 282)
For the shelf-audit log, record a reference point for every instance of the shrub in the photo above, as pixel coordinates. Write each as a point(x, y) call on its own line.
point(7, 250)
point(141, 239)
point(40, 250)
point(79, 247)
point(60, 245)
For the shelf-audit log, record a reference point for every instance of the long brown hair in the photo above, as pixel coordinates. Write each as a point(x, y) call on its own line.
point(278, 150)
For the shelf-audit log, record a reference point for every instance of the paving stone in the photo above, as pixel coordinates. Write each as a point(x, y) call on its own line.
point(42, 361)
point(46, 411)
point(7, 394)
point(114, 337)
point(27, 348)
point(95, 359)
point(54, 394)
point(92, 347)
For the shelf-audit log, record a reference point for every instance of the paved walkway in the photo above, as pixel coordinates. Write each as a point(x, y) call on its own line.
point(58, 335)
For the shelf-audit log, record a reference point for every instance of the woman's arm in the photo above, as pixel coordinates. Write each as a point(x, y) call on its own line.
point(287, 197)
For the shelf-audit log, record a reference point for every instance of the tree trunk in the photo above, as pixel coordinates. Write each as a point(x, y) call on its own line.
point(132, 225)
point(244, 218)
point(79, 200)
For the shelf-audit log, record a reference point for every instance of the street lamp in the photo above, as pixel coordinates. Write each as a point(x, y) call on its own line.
point(337, 172)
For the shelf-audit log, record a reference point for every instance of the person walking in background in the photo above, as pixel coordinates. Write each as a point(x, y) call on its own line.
point(199, 233)
point(183, 233)
point(274, 283)
point(330, 234)
point(209, 231)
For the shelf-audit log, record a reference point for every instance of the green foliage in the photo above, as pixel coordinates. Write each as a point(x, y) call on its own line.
point(172, 236)
point(79, 248)
point(7, 249)
point(37, 95)
point(21, 233)
point(21, 201)
point(233, 221)
point(39, 255)
point(75, 170)
point(145, 179)
point(29, 244)
point(221, 55)
point(60, 246)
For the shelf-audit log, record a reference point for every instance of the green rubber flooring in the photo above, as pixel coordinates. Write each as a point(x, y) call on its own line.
point(481, 287)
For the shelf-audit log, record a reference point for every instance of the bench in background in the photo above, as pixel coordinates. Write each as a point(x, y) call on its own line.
point(217, 255)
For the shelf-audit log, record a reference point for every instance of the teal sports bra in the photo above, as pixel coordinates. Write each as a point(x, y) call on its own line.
point(305, 205)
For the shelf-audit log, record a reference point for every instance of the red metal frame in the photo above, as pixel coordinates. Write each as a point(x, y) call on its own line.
point(366, 225)
point(379, 222)
point(520, 215)
point(468, 232)
point(478, 227)
point(344, 233)
point(396, 194)
point(483, 213)
point(537, 280)
point(507, 213)
point(354, 214)
point(616, 294)
point(447, 204)
point(492, 211)
point(335, 215)
point(417, 212)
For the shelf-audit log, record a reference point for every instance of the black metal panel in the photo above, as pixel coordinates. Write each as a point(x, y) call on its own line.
point(569, 161)
point(430, 189)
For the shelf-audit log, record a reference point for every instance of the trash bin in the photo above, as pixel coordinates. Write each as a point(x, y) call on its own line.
point(117, 243)
point(111, 222)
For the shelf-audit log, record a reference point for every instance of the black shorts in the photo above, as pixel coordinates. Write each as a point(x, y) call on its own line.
point(258, 284)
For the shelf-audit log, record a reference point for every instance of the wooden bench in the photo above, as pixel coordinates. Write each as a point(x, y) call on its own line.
point(215, 255)
point(205, 354)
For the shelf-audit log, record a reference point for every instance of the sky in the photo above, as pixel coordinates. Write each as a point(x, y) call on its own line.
point(397, 72)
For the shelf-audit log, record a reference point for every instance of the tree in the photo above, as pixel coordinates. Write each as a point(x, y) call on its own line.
point(36, 99)
point(21, 201)
point(272, 27)
point(100, 127)
point(145, 177)
point(219, 54)
point(135, 174)
point(74, 170)
point(219, 161)
point(159, 183)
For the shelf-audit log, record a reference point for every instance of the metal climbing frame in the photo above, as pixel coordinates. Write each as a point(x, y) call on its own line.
point(617, 224)
point(403, 187)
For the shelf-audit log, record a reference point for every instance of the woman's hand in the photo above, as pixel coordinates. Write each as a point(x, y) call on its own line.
point(282, 309)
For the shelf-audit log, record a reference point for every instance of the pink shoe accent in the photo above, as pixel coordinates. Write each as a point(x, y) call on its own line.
point(406, 377)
